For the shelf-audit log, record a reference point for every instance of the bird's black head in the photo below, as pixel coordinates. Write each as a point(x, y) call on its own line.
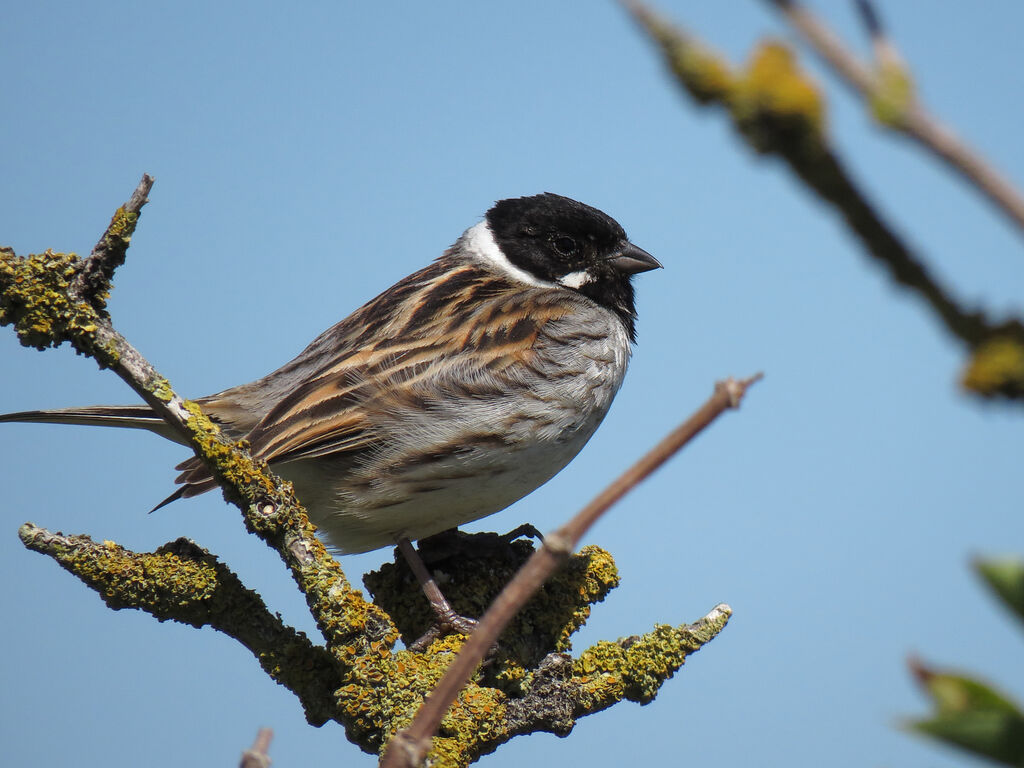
point(562, 241)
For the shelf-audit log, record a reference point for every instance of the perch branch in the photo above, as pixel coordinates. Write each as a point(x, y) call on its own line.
point(408, 747)
point(358, 679)
point(49, 302)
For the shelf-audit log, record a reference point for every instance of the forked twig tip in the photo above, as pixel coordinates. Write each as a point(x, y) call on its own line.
point(737, 388)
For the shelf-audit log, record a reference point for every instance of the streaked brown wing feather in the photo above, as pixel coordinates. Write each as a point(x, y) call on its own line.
point(443, 351)
point(382, 358)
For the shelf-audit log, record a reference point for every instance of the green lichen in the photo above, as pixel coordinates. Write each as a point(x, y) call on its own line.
point(473, 725)
point(34, 299)
point(776, 106)
point(182, 582)
point(273, 513)
point(474, 575)
point(703, 72)
point(122, 226)
point(161, 389)
point(775, 103)
point(114, 243)
point(240, 469)
point(361, 682)
point(892, 96)
point(477, 723)
point(636, 668)
point(996, 368)
point(381, 693)
point(35, 296)
point(160, 583)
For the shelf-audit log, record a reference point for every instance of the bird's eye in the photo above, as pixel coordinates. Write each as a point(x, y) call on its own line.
point(565, 245)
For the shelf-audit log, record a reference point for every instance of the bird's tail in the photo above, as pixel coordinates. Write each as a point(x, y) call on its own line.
point(128, 416)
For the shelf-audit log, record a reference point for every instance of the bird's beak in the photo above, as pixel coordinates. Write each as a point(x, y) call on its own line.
point(631, 260)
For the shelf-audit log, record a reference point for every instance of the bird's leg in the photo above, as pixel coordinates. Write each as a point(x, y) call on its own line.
point(448, 620)
point(526, 530)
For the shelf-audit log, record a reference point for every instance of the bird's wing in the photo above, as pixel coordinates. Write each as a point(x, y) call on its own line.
point(481, 349)
point(450, 330)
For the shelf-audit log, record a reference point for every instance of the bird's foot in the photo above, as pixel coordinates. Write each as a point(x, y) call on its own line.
point(448, 622)
point(527, 530)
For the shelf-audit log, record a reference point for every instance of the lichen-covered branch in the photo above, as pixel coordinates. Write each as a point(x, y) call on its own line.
point(356, 678)
point(185, 583)
point(48, 302)
point(780, 111)
point(530, 683)
point(410, 745)
point(632, 668)
point(92, 281)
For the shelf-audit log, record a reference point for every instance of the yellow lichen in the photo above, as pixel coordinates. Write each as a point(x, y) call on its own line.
point(238, 467)
point(635, 668)
point(122, 225)
point(892, 96)
point(474, 579)
point(160, 582)
point(704, 73)
point(774, 86)
point(996, 367)
point(33, 297)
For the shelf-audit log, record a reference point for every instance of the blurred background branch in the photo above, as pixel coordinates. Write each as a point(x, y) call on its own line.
point(888, 90)
point(779, 110)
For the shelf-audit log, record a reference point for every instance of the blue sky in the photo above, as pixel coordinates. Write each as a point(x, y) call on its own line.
point(307, 156)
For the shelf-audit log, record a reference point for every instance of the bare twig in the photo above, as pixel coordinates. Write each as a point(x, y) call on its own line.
point(256, 756)
point(409, 746)
point(887, 57)
point(870, 17)
point(912, 119)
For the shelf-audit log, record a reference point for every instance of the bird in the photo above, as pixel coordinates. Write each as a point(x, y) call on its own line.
point(451, 395)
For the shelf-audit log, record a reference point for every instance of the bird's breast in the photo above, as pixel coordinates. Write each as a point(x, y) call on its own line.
point(473, 449)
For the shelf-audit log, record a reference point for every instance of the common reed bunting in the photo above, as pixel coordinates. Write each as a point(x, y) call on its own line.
point(457, 391)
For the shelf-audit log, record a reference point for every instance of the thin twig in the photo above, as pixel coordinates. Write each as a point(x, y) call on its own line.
point(872, 21)
point(96, 272)
point(914, 120)
point(409, 746)
point(256, 756)
point(886, 55)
